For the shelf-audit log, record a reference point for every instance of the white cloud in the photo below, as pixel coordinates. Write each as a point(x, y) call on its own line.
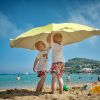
point(93, 41)
point(7, 27)
point(88, 15)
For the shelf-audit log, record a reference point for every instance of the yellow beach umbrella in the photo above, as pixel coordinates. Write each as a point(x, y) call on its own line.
point(71, 33)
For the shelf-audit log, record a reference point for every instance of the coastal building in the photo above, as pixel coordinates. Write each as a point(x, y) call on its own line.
point(88, 70)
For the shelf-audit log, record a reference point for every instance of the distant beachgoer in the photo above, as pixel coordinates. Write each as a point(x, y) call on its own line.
point(18, 78)
point(68, 78)
point(91, 77)
point(99, 77)
point(80, 79)
point(41, 64)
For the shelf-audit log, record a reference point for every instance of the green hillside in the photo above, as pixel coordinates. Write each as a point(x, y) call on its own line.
point(76, 64)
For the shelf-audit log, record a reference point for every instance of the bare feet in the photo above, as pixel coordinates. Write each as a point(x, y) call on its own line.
point(38, 91)
point(52, 92)
point(60, 92)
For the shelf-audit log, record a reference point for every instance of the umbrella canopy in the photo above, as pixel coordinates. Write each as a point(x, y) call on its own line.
point(71, 33)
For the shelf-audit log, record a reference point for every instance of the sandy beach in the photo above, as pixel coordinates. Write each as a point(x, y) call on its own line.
point(29, 94)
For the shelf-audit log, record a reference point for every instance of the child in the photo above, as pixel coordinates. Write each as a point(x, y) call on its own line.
point(57, 68)
point(99, 77)
point(40, 64)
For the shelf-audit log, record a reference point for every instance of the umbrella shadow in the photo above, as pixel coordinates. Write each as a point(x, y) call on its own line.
point(11, 93)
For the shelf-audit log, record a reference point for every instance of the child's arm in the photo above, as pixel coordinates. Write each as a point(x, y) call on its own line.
point(35, 64)
point(49, 40)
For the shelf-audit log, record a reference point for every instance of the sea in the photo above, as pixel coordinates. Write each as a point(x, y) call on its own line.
point(31, 80)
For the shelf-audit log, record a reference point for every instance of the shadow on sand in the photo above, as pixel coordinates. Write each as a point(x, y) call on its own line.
point(11, 93)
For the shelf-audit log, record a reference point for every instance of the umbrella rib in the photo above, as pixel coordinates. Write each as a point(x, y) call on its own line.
point(19, 42)
point(32, 46)
point(73, 37)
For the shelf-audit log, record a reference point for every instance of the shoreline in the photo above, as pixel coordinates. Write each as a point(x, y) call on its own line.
point(71, 84)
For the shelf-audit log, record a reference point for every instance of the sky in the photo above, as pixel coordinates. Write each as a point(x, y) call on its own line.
point(17, 16)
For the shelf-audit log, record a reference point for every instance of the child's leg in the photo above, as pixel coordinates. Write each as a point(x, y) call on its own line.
point(60, 81)
point(40, 84)
point(53, 82)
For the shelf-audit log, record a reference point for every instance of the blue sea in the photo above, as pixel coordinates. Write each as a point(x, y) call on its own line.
point(30, 80)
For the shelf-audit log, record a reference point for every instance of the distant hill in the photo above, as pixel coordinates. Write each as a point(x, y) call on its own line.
point(75, 65)
point(83, 62)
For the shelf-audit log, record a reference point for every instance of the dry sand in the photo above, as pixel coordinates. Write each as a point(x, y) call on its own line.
point(29, 94)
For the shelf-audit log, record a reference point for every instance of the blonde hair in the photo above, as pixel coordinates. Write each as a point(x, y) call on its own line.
point(57, 34)
point(36, 44)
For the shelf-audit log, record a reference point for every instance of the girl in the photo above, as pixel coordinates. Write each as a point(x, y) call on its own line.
point(40, 64)
point(57, 68)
